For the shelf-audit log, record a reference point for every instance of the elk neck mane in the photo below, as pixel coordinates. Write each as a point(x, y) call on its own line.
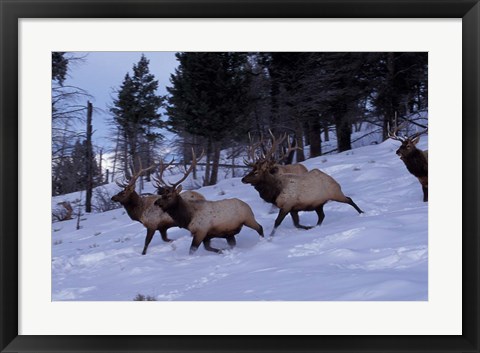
point(134, 207)
point(180, 213)
point(416, 163)
point(269, 188)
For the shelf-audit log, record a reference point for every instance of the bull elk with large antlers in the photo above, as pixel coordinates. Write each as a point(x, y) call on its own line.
point(415, 159)
point(292, 193)
point(206, 219)
point(142, 208)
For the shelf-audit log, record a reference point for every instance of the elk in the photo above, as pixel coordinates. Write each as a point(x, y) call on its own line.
point(415, 159)
point(292, 193)
point(142, 208)
point(206, 219)
point(64, 214)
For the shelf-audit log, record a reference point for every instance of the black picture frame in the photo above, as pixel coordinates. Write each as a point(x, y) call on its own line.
point(13, 10)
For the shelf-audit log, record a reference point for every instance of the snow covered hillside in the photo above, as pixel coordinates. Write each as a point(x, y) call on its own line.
point(379, 255)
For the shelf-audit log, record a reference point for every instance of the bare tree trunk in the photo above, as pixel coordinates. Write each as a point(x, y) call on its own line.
point(344, 132)
point(89, 152)
point(206, 178)
point(233, 162)
point(148, 157)
point(79, 212)
point(115, 157)
point(315, 140)
point(194, 174)
point(125, 156)
point(100, 166)
point(326, 136)
point(299, 138)
point(390, 108)
point(216, 161)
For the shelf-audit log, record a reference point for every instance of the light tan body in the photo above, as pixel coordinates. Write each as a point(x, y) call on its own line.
point(292, 193)
point(292, 169)
point(220, 218)
point(307, 191)
point(208, 219)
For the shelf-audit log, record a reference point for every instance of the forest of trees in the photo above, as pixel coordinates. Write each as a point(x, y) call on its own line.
point(216, 100)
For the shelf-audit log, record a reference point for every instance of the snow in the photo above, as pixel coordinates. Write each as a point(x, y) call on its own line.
point(379, 255)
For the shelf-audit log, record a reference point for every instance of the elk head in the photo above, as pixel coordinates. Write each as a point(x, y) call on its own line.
point(408, 142)
point(266, 163)
point(259, 170)
point(169, 192)
point(129, 186)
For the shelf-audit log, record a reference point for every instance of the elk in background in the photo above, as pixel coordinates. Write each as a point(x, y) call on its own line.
point(415, 159)
point(292, 193)
point(206, 219)
point(142, 208)
point(63, 214)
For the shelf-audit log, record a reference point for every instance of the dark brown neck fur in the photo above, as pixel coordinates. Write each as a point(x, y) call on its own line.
point(269, 188)
point(179, 212)
point(417, 163)
point(134, 206)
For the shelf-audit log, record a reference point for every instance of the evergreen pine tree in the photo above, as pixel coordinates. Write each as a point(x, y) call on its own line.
point(59, 67)
point(208, 98)
point(136, 114)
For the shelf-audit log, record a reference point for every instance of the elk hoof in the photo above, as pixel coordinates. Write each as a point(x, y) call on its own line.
point(305, 227)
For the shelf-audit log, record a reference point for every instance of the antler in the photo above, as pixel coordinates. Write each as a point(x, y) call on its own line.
point(393, 134)
point(135, 176)
point(275, 143)
point(122, 184)
point(186, 174)
point(288, 151)
point(251, 149)
point(417, 134)
point(158, 180)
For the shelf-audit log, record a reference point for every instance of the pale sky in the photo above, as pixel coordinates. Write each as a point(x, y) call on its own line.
point(102, 73)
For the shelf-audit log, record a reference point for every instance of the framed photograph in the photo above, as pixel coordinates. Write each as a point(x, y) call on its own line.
point(394, 267)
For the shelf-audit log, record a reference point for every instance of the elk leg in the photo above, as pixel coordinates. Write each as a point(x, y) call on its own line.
point(255, 226)
point(281, 216)
point(260, 230)
point(206, 244)
point(163, 233)
point(296, 220)
point(148, 239)
point(196, 241)
point(232, 242)
point(425, 193)
point(320, 214)
point(353, 204)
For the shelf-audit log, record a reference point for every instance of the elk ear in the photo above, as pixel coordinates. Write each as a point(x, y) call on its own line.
point(273, 170)
point(415, 140)
point(178, 190)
